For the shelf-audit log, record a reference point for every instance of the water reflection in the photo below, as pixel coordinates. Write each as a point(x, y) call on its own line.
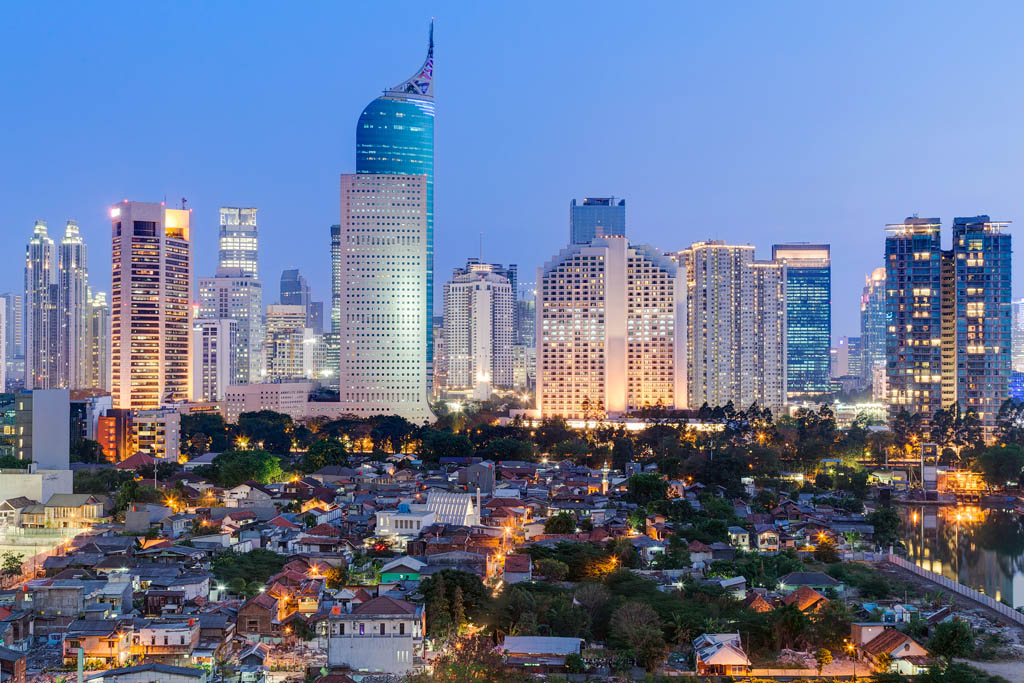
point(980, 548)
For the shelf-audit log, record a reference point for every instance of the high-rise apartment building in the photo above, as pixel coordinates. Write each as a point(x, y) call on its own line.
point(288, 345)
point(213, 341)
point(872, 324)
point(949, 317)
point(239, 240)
point(239, 297)
point(151, 326)
point(13, 305)
point(99, 342)
point(596, 217)
point(982, 276)
point(478, 330)
point(609, 339)
point(1017, 335)
point(808, 317)
point(395, 136)
point(384, 311)
point(73, 309)
point(337, 282)
point(736, 327)
point(42, 358)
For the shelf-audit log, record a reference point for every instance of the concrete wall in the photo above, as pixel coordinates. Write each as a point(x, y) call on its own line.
point(389, 653)
point(38, 485)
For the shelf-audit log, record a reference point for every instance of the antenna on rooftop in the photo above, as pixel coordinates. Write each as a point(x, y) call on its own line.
point(481, 247)
point(183, 202)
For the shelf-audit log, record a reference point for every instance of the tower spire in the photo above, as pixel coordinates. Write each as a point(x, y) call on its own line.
point(421, 84)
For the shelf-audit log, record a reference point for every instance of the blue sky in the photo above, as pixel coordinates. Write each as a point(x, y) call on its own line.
point(748, 122)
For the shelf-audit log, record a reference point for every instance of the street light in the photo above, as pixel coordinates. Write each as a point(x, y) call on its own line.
point(852, 649)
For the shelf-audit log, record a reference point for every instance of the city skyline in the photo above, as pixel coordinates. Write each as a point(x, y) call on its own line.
point(295, 191)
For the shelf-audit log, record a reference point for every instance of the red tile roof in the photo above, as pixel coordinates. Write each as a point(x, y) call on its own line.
point(385, 605)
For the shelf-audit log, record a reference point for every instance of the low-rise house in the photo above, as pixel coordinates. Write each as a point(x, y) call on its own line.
point(381, 635)
point(401, 569)
point(67, 511)
point(167, 641)
point(819, 581)
point(259, 617)
point(700, 553)
point(518, 568)
point(174, 526)
point(151, 671)
point(908, 657)
point(720, 654)
point(104, 641)
point(539, 654)
point(766, 537)
point(806, 599)
point(10, 510)
point(12, 666)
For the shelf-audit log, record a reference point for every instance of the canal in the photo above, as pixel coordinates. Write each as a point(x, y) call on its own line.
point(978, 547)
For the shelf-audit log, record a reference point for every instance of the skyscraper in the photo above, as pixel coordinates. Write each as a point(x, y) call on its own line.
point(288, 345)
point(337, 282)
point(478, 330)
point(808, 317)
point(982, 271)
point(609, 341)
point(73, 309)
point(239, 240)
point(1018, 335)
point(596, 217)
point(99, 342)
point(913, 310)
point(395, 136)
point(383, 312)
point(151, 327)
point(735, 327)
point(14, 345)
point(231, 294)
point(42, 359)
point(949, 317)
point(872, 324)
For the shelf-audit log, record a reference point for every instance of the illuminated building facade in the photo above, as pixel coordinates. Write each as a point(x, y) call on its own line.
point(608, 331)
point(151, 326)
point(232, 294)
point(42, 352)
point(73, 309)
point(383, 315)
point(395, 136)
point(479, 325)
point(872, 323)
point(239, 240)
point(808, 317)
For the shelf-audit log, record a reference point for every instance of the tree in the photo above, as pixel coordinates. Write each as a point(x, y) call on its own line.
point(635, 628)
point(336, 577)
point(468, 661)
point(507, 448)
point(458, 609)
point(323, 453)
point(886, 522)
point(10, 563)
point(257, 565)
point(86, 450)
point(823, 657)
point(907, 430)
point(826, 551)
point(232, 468)
point(622, 452)
point(1002, 464)
point(210, 427)
point(951, 639)
point(561, 523)
point(645, 488)
point(436, 444)
point(439, 618)
point(883, 662)
point(391, 431)
point(1010, 422)
point(552, 570)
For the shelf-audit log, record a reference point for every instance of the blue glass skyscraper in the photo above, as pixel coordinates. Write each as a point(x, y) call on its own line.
point(808, 317)
point(596, 217)
point(395, 136)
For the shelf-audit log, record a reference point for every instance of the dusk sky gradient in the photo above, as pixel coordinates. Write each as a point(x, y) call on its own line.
point(748, 122)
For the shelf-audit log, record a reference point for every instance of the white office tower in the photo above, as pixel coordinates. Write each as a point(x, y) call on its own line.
point(479, 328)
point(736, 327)
point(73, 308)
point(289, 346)
point(231, 294)
point(609, 340)
point(99, 342)
point(239, 240)
point(213, 340)
point(42, 358)
point(151, 326)
point(3, 348)
point(383, 313)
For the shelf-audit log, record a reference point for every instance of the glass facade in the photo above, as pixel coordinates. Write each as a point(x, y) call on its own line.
point(808, 317)
point(596, 217)
point(984, 338)
point(395, 136)
point(872, 323)
point(239, 240)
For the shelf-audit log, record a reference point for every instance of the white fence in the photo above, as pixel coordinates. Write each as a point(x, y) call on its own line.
point(958, 588)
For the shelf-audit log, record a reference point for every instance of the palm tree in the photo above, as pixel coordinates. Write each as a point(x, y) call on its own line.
point(884, 662)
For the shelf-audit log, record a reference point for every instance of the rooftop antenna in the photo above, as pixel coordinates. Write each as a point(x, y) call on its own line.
point(183, 202)
point(481, 247)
